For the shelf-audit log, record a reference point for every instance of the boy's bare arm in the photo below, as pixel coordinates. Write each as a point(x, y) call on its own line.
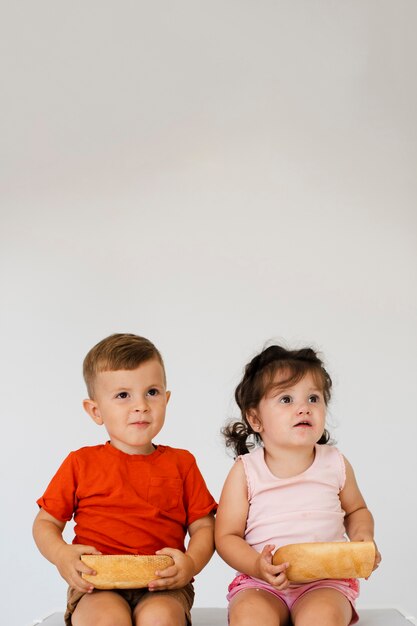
point(47, 532)
point(201, 545)
point(187, 565)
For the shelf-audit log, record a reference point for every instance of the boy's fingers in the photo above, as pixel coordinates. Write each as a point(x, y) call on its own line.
point(161, 583)
point(89, 550)
point(168, 572)
point(172, 552)
point(83, 568)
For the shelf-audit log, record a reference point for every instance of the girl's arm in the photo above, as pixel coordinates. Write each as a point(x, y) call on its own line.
point(230, 531)
point(359, 522)
point(47, 532)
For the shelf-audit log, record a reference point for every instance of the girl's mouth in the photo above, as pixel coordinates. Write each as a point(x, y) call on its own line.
point(304, 424)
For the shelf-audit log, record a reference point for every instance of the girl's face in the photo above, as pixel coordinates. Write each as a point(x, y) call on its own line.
point(290, 416)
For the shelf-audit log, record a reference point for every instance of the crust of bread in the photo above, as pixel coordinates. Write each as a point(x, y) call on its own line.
point(124, 571)
point(314, 561)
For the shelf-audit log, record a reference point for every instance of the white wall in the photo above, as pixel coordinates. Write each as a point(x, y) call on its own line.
point(212, 176)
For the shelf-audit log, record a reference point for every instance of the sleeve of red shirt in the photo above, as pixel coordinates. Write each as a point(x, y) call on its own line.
point(197, 499)
point(59, 499)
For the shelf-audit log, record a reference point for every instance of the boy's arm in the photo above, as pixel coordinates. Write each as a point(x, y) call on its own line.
point(201, 545)
point(187, 565)
point(47, 532)
point(230, 531)
point(359, 522)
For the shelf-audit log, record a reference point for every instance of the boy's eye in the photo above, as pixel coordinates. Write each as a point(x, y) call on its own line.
point(285, 399)
point(153, 392)
point(122, 395)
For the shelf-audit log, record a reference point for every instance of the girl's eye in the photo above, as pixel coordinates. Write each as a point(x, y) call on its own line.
point(153, 392)
point(122, 395)
point(285, 400)
point(314, 398)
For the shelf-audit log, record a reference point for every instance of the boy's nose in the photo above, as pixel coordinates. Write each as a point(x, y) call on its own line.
point(140, 406)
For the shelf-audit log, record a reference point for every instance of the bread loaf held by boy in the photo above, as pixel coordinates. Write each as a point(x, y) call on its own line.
point(124, 571)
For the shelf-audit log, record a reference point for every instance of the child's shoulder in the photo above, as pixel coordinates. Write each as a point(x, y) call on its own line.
point(86, 450)
point(179, 454)
point(328, 449)
point(182, 459)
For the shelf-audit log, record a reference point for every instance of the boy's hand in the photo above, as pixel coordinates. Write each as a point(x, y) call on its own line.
point(272, 574)
point(175, 576)
point(69, 564)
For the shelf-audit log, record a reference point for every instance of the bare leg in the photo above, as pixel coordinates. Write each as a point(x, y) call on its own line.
point(159, 610)
point(102, 608)
point(322, 607)
point(254, 606)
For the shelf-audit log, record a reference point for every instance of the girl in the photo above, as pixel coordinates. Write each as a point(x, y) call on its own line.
point(292, 488)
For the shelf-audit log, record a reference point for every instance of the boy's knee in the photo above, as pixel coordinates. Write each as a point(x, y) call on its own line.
point(160, 612)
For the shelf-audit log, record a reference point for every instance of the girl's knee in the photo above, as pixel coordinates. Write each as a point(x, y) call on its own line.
point(257, 607)
point(328, 610)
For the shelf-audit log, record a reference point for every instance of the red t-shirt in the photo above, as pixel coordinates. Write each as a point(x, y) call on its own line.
point(128, 504)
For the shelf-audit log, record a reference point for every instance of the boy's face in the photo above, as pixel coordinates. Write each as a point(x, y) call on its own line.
point(131, 404)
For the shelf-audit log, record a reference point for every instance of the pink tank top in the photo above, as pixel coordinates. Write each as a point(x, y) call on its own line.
point(299, 509)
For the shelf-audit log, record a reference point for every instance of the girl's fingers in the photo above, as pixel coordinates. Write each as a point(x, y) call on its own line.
point(267, 552)
point(276, 570)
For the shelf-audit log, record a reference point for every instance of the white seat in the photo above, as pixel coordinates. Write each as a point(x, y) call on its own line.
point(218, 617)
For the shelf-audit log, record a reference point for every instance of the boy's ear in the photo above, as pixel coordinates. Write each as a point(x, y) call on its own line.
point(90, 406)
point(254, 420)
point(168, 395)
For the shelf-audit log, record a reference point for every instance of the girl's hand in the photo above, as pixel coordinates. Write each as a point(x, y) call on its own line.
point(69, 564)
point(378, 558)
point(175, 576)
point(272, 574)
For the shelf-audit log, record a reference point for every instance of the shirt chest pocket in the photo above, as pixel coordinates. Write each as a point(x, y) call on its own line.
point(164, 493)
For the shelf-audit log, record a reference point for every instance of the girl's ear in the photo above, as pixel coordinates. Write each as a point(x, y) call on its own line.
point(254, 420)
point(90, 406)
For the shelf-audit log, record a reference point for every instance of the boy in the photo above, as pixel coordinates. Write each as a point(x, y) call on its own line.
point(128, 496)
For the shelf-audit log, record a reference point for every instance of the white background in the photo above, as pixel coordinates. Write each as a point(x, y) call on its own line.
point(212, 175)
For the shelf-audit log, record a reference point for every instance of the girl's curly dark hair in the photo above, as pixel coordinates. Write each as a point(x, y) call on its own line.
point(258, 380)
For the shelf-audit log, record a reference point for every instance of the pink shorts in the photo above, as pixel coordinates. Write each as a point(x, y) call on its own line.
point(349, 587)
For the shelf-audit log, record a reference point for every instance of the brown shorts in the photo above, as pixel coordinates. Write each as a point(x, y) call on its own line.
point(185, 597)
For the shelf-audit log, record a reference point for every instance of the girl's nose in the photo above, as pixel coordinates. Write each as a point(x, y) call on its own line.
point(304, 409)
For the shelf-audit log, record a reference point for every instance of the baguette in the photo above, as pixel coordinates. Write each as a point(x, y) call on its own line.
point(314, 561)
point(124, 571)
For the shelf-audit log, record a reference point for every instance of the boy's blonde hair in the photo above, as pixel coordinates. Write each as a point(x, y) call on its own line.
point(121, 351)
